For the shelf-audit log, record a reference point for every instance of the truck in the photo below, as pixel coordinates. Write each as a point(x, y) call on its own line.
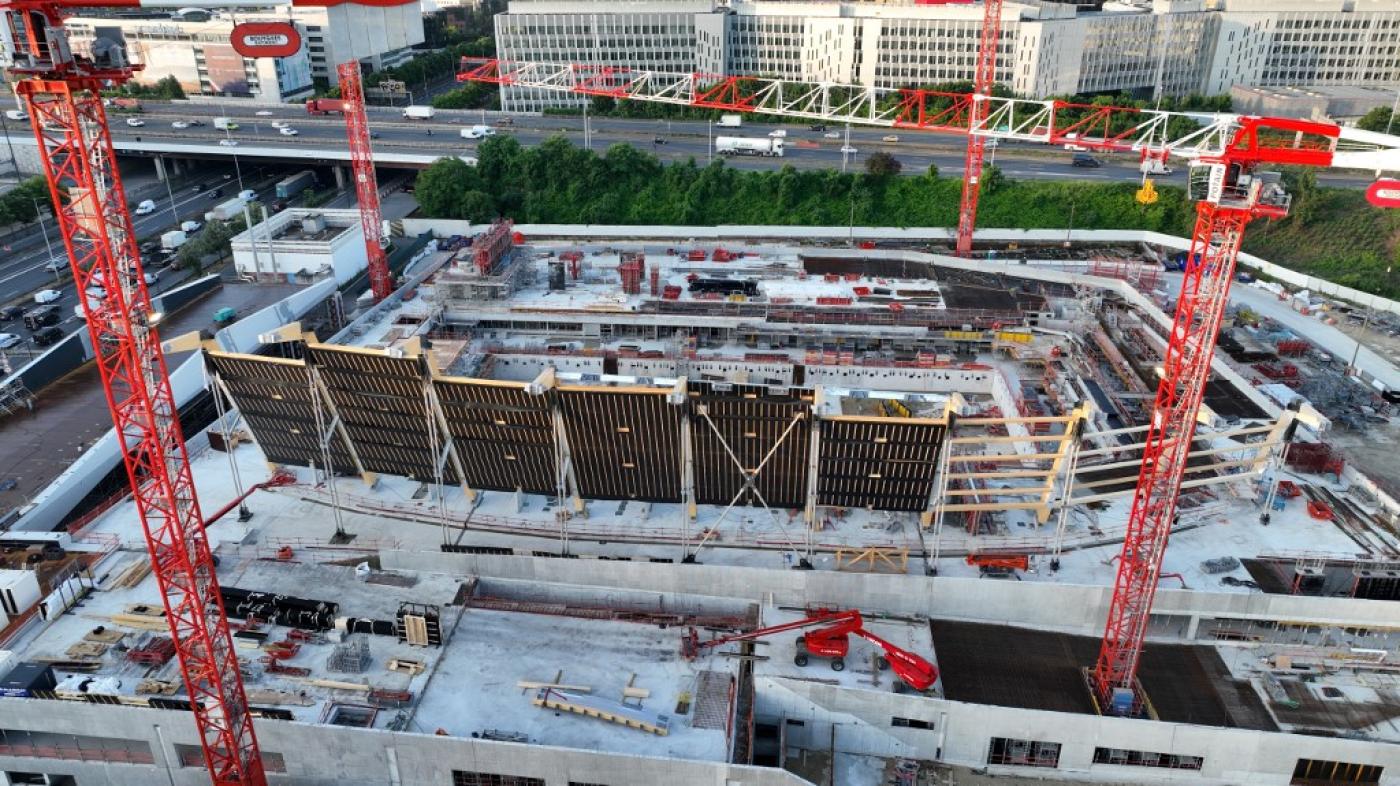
point(418, 113)
point(325, 106)
point(748, 146)
point(291, 186)
point(225, 124)
point(477, 132)
point(731, 121)
point(173, 239)
point(226, 210)
point(127, 105)
point(1152, 166)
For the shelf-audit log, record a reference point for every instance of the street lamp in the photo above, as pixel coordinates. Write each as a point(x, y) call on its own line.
point(1365, 322)
point(14, 162)
point(39, 214)
point(236, 168)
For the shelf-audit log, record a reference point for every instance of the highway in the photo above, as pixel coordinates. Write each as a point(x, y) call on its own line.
point(670, 140)
point(23, 262)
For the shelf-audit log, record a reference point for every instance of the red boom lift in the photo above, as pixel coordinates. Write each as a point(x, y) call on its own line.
point(830, 640)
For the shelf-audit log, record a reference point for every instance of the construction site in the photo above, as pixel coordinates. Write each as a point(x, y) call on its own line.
point(550, 505)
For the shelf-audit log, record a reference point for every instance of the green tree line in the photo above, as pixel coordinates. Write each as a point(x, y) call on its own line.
point(18, 205)
point(1332, 233)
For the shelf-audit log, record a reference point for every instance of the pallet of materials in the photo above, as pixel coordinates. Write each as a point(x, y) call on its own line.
point(603, 709)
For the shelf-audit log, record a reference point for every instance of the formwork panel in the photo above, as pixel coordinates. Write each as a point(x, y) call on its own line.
point(881, 465)
point(274, 397)
point(380, 401)
point(504, 435)
point(751, 421)
point(625, 444)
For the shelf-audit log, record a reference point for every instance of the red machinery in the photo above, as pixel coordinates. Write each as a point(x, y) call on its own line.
point(62, 90)
point(976, 143)
point(366, 184)
point(325, 106)
point(1223, 152)
point(829, 641)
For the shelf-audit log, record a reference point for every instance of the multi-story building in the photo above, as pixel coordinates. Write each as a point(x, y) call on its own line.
point(1146, 47)
point(199, 56)
point(193, 47)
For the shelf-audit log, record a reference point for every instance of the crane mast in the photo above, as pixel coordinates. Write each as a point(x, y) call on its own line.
point(63, 95)
point(976, 143)
point(1223, 150)
point(366, 184)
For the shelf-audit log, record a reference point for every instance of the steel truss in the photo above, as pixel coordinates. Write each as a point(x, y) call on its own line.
point(366, 184)
point(81, 168)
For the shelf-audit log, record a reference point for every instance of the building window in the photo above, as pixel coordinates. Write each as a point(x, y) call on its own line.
point(44, 745)
point(193, 756)
point(910, 723)
point(1023, 753)
point(469, 778)
point(1147, 759)
point(1320, 772)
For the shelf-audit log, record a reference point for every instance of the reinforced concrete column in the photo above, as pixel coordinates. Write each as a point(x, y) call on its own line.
point(340, 177)
point(160, 168)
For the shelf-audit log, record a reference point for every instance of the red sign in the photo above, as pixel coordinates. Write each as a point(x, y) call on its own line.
point(265, 39)
point(1384, 193)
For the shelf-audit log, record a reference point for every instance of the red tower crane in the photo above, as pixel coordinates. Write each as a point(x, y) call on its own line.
point(982, 83)
point(1224, 152)
point(75, 145)
point(366, 184)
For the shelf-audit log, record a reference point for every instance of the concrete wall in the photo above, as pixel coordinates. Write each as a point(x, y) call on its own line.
point(961, 733)
point(334, 756)
point(1071, 608)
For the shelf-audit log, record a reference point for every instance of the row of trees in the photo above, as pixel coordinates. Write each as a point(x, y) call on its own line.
point(558, 182)
point(166, 88)
point(21, 204)
point(1332, 233)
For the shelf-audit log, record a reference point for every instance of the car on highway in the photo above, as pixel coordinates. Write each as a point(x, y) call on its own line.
point(778, 133)
point(135, 122)
point(199, 188)
point(890, 138)
point(279, 124)
point(8, 340)
point(847, 150)
point(228, 142)
point(194, 123)
point(11, 313)
point(374, 135)
point(216, 193)
point(16, 114)
point(146, 207)
point(47, 295)
point(832, 135)
point(56, 265)
point(1085, 160)
point(48, 336)
point(247, 195)
point(190, 227)
point(179, 124)
point(818, 127)
point(41, 316)
point(263, 113)
point(287, 131)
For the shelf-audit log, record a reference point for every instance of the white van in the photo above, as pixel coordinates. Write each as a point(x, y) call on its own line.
point(16, 114)
point(146, 207)
point(477, 132)
point(248, 195)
